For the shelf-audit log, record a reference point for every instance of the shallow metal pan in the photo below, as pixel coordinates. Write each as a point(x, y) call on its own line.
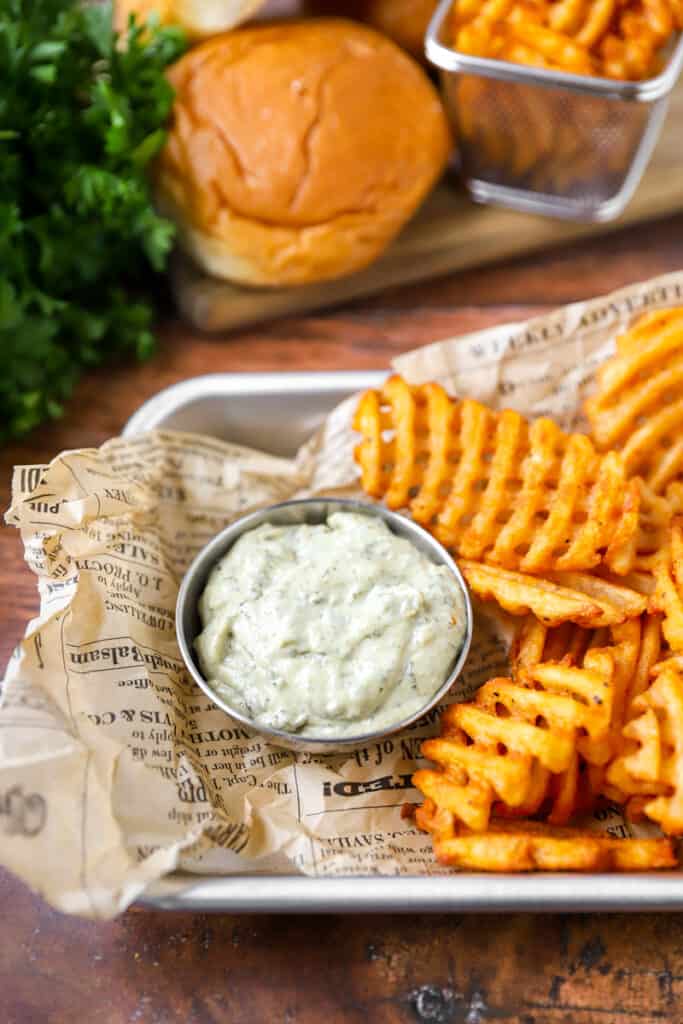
point(276, 412)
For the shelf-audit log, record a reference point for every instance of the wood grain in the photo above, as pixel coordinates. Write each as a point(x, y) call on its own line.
point(449, 233)
point(158, 968)
point(151, 968)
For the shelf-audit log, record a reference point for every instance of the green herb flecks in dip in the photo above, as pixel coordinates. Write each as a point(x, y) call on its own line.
point(332, 630)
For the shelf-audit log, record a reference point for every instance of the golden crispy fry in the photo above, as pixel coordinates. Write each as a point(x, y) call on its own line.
point(640, 580)
point(516, 744)
point(556, 48)
point(643, 546)
point(638, 406)
point(563, 791)
point(570, 850)
point(675, 662)
point(530, 846)
point(627, 59)
point(469, 749)
point(563, 597)
point(469, 801)
point(648, 657)
point(539, 653)
point(484, 756)
point(652, 763)
point(519, 594)
point(534, 643)
point(529, 644)
point(537, 795)
point(567, 16)
point(667, 598)
point(582, 20)
point(596, 23)
point(674, 497)
point(617, 602)
point(635, 771)
point(635, 646)
point(570, 698)
point(620, 39)
point(594, 684)
point(492, 486)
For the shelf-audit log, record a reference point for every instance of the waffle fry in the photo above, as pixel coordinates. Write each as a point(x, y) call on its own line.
point(652, 763)
point(585, 600)
point(654, 521)
point(635, 646)
point(638, 406)
point(674, 661)
point(595, 706)
point(667, 598)
point(620, 39)
point(484, 756)
point(530, 846)
point(492, 486)
point(535, 643)
point(516, 745)
point(548, 658)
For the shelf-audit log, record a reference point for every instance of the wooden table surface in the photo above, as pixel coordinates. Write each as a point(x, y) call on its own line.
point(156, 968)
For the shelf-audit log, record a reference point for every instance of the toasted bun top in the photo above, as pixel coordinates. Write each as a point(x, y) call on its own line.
point(297, 123)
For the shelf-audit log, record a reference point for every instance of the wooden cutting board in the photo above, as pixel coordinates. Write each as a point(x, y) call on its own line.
point(449, 233)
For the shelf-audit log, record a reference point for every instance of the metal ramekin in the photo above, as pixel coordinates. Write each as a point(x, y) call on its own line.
point(292, 513)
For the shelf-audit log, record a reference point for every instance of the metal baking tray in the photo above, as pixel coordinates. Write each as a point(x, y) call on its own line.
point(276, 412)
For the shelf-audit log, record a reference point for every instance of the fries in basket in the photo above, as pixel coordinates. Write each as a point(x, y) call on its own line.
point(551, 141)
point(621, 39)
point(583, 539)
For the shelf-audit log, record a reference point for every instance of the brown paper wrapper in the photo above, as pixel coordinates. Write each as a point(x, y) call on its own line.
point(115, 769)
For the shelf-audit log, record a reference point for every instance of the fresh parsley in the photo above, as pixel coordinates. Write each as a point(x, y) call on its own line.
point(81, 116)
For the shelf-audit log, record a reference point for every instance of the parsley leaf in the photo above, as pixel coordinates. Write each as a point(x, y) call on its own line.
point(81, 116)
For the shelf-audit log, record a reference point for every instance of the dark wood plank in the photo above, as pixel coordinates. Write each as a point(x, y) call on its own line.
point(160, 969)
point(153, 968)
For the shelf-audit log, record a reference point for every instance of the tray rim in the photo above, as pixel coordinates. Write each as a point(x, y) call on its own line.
point(275, 382)
point(461, 892)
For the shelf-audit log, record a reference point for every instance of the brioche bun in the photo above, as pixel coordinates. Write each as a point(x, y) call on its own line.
point(297, 150)
point(199, 18)
point(404, 21)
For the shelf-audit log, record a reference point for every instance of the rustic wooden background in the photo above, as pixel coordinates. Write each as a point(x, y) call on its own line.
point(153, 968)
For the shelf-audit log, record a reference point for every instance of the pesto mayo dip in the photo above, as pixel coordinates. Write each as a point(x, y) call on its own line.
point(334, 630)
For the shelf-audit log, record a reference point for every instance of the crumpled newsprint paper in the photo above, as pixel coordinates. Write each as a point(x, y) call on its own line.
point(115, 769)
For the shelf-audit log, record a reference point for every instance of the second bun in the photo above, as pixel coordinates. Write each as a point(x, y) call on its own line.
point(298, 150)
point(404, 21)
point(198, 18)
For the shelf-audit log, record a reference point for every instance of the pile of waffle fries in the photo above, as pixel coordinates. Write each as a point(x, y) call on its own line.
point(621, 39)
point(582, 538)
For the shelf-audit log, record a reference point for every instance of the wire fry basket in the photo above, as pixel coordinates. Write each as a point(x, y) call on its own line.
point(546, 141)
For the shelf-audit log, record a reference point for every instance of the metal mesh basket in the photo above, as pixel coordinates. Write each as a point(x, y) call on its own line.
point(547, 141)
